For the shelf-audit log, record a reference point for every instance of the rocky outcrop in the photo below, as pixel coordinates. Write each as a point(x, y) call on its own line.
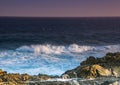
point(94, 71)
point(20, 79)
point(92, 67)
point(14, 79)
point(46, 77)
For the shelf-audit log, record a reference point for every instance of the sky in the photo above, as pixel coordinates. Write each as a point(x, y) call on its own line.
point(60, 8)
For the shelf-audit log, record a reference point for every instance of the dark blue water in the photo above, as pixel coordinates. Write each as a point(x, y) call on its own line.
point(60, 30)
point(54, 45)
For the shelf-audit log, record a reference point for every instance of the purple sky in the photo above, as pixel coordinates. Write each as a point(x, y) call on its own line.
point(60, 8)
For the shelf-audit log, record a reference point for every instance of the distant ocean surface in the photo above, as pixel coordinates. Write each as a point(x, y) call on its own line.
point(54, 45)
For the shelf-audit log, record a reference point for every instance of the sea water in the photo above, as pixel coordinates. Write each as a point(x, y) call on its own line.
point(54, 45)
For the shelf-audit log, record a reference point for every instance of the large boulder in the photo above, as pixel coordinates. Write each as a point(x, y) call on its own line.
point(92, 67)
point(93, 71)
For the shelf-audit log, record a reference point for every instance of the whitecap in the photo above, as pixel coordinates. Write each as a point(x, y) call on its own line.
point(49, 57)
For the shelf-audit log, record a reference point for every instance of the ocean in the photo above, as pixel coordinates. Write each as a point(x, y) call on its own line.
point(54, 45)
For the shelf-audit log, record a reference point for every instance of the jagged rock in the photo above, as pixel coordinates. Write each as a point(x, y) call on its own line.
point(20, 79)
point(12, 79)
point(91, 71)
point(94, 71)
point(92, 67)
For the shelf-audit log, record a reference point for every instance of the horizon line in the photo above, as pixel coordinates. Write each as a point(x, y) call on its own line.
point(60, 16)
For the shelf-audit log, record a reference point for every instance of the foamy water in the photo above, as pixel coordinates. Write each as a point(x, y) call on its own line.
point(50, 59)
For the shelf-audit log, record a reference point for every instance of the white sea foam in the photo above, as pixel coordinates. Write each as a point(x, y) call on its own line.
point(52, 49)
point(71, 49)
point(52, 59)
point(48, 49)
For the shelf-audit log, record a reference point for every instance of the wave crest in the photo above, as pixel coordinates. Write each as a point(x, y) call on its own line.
point(52, 49)
point(50, 57)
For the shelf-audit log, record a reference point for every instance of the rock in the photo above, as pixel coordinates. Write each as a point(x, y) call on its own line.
point(91, 71)
point(25, 77)
point(65, 76)
point(95, 71)
point(89, 61)
point(12, 79)
point(46, 77)
point(92, 67)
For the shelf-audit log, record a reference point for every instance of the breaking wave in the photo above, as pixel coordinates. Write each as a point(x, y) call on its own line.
point(50, 59)
point(52, 49)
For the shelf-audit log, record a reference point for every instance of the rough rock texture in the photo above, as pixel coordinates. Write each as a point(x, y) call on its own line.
point(94, 71)
point(13, 79)
point(108, 65)
point(20, 79)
